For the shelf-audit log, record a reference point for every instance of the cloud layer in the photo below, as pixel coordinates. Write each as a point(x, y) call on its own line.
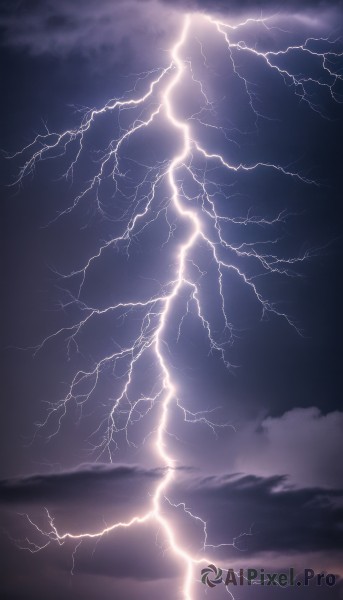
point(278, 518)
point(59, 27)
point(303, 444)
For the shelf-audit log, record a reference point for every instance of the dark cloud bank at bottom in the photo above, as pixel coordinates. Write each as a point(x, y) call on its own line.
point(283, 522)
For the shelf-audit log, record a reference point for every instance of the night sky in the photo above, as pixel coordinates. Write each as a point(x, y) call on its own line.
point(266, 472)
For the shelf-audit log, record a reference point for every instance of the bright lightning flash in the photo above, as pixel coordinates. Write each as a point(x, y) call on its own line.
point(204, 224)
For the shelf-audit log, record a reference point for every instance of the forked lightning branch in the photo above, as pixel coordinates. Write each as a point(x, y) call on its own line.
point(203, 224)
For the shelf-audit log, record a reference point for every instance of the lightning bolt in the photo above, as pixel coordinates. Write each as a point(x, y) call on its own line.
point(203, 223)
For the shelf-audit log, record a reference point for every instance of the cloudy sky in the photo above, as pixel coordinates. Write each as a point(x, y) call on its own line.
point(266, 472)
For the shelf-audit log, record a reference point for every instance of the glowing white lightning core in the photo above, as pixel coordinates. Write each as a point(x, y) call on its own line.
point(158, 308)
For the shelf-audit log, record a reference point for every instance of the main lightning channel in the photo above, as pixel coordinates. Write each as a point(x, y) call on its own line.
point(168, 388)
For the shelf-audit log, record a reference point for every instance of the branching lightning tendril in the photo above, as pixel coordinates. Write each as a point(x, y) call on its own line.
point(204, 225)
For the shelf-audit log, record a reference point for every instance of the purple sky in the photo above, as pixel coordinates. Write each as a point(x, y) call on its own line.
point(267, 477)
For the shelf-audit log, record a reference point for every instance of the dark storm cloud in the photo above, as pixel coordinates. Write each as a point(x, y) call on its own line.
point(113, 483)
point(62, 26)
point(281, 520)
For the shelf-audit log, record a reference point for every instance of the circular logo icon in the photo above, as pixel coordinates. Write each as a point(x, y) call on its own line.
point(206, 573)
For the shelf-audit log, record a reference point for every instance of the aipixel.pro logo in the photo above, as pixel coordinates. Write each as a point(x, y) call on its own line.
point(212, 576)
